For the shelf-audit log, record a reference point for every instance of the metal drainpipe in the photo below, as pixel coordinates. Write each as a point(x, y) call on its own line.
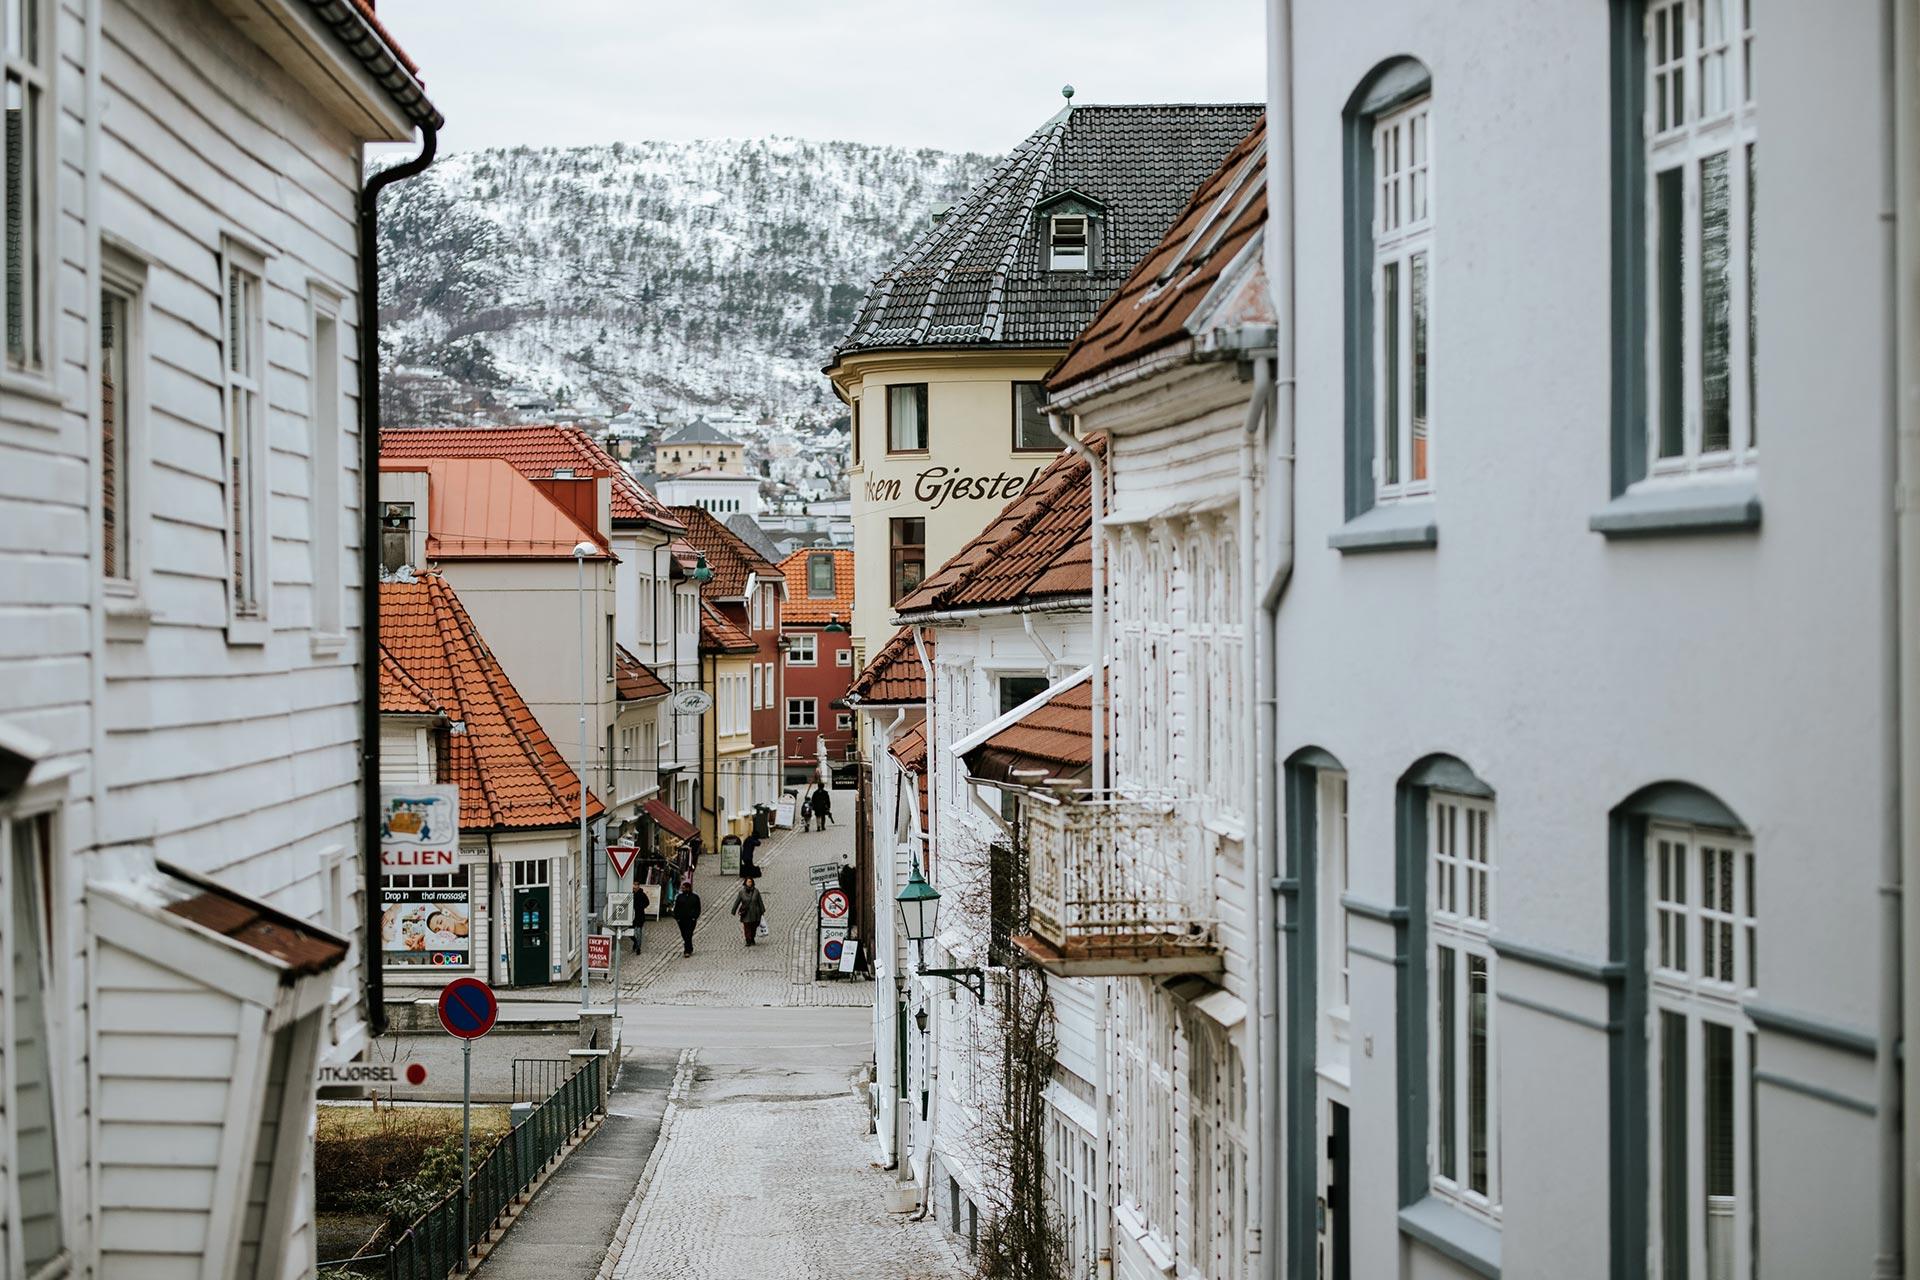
point(1096, 477)
point(1264, 1039)
point(1272, 1110)
point(1026, 621)
point(1899, 1212)
point(369, 335)
point(933, 790)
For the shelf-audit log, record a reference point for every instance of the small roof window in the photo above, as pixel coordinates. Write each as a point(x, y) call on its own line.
point(1069, 246)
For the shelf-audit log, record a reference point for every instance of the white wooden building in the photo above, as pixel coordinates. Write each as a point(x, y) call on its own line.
point(180, 707)
point(1144, 873)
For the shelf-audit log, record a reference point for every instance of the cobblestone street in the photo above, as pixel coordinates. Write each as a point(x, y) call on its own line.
point(763, 1170)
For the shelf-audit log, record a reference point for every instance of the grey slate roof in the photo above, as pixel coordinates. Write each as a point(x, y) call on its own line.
point(753, 535)
point(975, 278)
point(699, 431)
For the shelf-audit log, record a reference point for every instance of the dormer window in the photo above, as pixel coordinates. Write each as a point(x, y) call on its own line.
point(563, 473)
point(1068, 243)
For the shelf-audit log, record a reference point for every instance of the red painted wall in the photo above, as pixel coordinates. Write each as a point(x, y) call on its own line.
point(827, 682)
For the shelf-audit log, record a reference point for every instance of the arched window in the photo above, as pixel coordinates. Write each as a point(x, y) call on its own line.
point(1686, 933)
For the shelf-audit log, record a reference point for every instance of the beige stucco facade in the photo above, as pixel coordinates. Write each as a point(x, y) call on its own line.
point(968, 472)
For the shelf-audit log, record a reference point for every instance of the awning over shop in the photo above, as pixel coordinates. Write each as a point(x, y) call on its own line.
point(669, 821)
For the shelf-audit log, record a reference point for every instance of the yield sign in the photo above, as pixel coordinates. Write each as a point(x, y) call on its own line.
point(621, 857)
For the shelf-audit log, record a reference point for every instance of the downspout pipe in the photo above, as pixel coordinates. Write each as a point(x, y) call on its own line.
point(1896, 1096)
point(369, 335)
point(933, 779)
point(1096, 477)
point(1278, 530)
point(1026, 621)
point(1263, 1038)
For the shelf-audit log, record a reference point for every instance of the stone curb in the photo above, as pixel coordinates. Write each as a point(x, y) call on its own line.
point(682, 1081)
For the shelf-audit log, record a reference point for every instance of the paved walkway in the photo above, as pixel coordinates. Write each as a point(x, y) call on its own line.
point(764, 1170)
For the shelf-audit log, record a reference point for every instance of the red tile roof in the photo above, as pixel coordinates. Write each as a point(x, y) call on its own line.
point(482, 509)
point(509, 773)
point(910, 749)
point(801, 606)
point(1150, 311)
point(1039, 548)
point(289, 940)
point(401, 694)
point(728, 555)
point(536, 453)
point(1055, 739)
point(893, 675)
point(634, 680)
point(718, 634)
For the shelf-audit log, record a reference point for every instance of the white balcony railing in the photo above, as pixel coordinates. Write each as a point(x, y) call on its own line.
point(1119, 884)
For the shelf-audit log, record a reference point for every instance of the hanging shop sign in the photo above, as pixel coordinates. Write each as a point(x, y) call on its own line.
point(419, 827)
point(693, 702)
point(432, 928)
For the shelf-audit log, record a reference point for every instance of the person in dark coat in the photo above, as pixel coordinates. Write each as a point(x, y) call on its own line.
point(750, 907)
point(686, 913)
point(822, 807)
point(748, 868)
point(641, 904)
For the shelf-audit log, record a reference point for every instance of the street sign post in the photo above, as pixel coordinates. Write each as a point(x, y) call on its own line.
point(620, 857)
point(468, 1009)
point(823, 873)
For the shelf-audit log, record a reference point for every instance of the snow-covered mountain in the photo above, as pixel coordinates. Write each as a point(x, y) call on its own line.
point(663, 278)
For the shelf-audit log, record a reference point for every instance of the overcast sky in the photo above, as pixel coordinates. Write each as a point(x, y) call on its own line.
point(957, 74)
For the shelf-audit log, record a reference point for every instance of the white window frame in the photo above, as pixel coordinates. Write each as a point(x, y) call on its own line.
point(1701, 988)
point(1402, 233)
point(1333, 975)
point(803, 640)
point(326, 425)
point(35, 372)
point(1682, 138)
point(842, 721)
point(50, 982)
point(1146, 1151)
point(244, 567)
point(1461, 883)
point(810, 719)
point(1067, 256)
point(125, 593)
point(843, 658)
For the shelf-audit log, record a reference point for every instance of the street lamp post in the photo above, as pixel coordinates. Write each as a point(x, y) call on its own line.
point(919, 906)
point(581, 550)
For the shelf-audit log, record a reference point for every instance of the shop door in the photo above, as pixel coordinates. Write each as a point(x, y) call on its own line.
point(530, 935)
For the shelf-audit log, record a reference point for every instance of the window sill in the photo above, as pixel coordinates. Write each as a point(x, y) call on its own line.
point(1455, 1234)
point(39, 399)
point(328, 644)
point(126, 615)
point(1728, 506)
point(1158, 1254)
point(248, 631)
point(1391, 526)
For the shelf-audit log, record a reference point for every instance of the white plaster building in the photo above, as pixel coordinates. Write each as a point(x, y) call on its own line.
point(1586, 666)
point(181, 675)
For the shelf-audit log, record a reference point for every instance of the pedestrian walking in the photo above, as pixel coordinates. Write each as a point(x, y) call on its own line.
point(686, 914)
point(641, 905)
point(822, 807)
point(806, 811)
point(750, 907)
point(748, 868)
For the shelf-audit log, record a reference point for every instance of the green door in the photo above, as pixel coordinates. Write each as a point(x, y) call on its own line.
point(530, 935)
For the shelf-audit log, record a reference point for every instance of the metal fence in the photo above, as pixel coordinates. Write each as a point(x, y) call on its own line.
point(537, 1078)
point(431, 1248)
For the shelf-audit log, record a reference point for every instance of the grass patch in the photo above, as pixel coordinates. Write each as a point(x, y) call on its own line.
point(394, 1161)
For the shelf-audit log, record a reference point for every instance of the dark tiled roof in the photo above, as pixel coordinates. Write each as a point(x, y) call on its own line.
point(536, 453)
point(699, 431)
point(253, 924)
point(753, 535)
point(801, 607)
point(509, 773)
point(1152, 309)
point(634, 680)
point(1038, 549)
point(893, 675)
point(719, 635)
point(1055, 740)
point(977, 277)
point(356, 27)
point(727, 555)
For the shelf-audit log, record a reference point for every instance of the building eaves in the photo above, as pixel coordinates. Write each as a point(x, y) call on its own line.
point(358, 29)
point(634, 680)
point(718, 634)
point(893, 676)
point(731, 559)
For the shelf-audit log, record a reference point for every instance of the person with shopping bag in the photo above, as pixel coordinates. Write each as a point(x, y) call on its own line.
point(750, 907)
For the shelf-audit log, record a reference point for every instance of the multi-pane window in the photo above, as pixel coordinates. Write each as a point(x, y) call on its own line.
point(323, 463)
point(1212, 1240)
point(245, 358)
point(1145, 1151)
point(1465, 1123)
point(27, 1049)
point(26, 71)
point(907, 550)
point(1700, 139)
point(116, 473)
point(1402, 300)
point(1069, 242)
point(820, 576)
point(907, 417)
point(802, 649)
point(1031, 432)
point(1075, 1186)
point(1702, 964)
point(1333, 1004)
